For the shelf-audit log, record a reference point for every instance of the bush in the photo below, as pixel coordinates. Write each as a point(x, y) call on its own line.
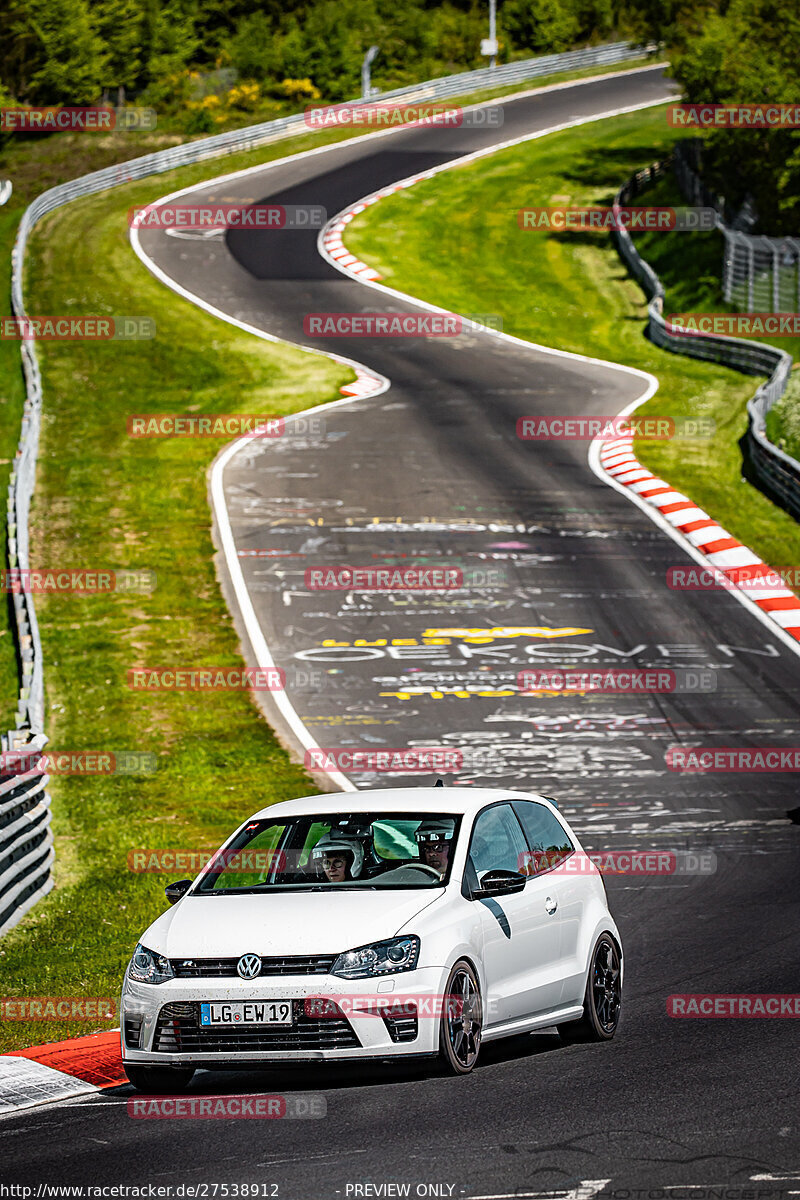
point(297, 90)
point(783, 419)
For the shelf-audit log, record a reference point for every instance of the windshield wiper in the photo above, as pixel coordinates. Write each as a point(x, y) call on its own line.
point(298, 889)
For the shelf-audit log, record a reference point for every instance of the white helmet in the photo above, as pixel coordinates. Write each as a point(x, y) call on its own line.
point(330, 842)
point(435, 829)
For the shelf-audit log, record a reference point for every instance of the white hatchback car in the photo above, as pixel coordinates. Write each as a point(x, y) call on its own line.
point(375, 925)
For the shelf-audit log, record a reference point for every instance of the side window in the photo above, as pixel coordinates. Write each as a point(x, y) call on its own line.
point(497, 842)
point(549, 842)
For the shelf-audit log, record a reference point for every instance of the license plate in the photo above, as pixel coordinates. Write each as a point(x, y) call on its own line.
point(247, 1012)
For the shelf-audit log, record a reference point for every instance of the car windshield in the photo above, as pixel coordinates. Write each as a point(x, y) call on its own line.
point(351, 850)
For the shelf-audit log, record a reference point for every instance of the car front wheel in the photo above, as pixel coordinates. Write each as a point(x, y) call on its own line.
point(461, 1021)
point(602, 1001)
point(159, 1081)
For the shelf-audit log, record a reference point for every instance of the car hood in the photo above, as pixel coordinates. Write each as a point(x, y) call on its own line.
point(227, 926)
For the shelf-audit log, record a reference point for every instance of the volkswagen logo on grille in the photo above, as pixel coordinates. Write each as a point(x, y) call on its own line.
point(248, 966)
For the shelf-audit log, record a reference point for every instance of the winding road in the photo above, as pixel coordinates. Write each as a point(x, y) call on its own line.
point(563, 570)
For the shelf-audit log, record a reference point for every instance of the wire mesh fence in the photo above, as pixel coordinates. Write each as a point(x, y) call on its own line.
point(759, 273)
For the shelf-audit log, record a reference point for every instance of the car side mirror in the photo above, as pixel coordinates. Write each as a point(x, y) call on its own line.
point(174, 891)
point(500, 883)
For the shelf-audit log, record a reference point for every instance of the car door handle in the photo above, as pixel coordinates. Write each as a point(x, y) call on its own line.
point(551, 904)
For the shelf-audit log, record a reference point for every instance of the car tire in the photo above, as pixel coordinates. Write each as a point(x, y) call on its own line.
point(461, 1024)
point(602, 1001)
point(159, 1081)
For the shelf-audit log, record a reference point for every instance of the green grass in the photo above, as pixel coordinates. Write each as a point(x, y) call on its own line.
point(571, 291)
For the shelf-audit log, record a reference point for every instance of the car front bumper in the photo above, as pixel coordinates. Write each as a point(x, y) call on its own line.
point(160, 1023)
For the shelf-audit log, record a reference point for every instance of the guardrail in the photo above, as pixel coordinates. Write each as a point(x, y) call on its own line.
point(775, 472)
point(26, 843)
point(24, 867)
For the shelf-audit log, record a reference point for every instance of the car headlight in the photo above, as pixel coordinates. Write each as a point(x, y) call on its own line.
point(381, 958)
point(148, 967)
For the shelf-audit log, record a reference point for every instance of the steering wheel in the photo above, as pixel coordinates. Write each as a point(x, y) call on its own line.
point(418, 866)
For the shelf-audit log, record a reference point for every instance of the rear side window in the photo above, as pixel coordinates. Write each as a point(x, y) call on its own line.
point(549, 841)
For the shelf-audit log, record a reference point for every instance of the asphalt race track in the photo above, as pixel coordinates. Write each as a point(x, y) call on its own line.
point(563, 570)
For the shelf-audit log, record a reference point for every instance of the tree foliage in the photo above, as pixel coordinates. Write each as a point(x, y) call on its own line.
point(748, 55)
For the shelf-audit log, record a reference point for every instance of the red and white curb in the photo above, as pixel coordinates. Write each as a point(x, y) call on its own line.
point(705, 536)
point(366, 383)
point(331, 239)
point(60, 1071)
point(332, 234)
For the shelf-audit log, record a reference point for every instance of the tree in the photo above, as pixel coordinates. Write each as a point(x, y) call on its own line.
point(761, 163)
point(52, 54)
point(119, 24)
point(542, 26)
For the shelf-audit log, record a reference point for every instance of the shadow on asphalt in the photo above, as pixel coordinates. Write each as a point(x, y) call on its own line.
point(358, 1075)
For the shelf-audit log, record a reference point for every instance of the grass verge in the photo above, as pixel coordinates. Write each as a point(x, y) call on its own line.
point(454, 241)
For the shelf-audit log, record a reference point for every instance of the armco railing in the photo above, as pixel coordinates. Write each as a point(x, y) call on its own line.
point(26, 843)
point(776, 472)
point(25, 839)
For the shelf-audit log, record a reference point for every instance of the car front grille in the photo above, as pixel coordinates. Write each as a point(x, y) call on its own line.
point(220, 968)
point(179, 1031)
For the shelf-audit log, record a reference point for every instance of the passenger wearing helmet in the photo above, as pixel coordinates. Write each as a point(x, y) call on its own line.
point(340, 855)
point(434, 838)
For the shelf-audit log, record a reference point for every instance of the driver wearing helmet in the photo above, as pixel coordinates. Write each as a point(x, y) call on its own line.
point(434, 838)
point(340, 855)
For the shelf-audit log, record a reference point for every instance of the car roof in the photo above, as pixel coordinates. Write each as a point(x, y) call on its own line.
point(457, 800)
